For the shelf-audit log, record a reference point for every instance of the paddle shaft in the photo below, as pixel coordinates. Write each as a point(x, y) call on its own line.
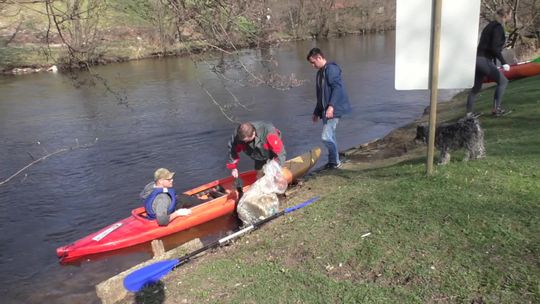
point(223, 240)
point(152, 273)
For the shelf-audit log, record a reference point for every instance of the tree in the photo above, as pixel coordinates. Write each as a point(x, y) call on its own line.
point(525, 21)
point(155, 12)
point(77, 22)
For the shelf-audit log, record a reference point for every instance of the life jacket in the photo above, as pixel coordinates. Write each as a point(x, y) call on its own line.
point(152, 196)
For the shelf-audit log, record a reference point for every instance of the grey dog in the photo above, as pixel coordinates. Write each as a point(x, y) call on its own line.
point(465, 133)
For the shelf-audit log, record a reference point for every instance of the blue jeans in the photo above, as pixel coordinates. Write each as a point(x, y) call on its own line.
point(329, 139)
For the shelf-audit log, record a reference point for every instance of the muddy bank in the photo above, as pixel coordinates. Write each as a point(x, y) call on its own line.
point(400, 142)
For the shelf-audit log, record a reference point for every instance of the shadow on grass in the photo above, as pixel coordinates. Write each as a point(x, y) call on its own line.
point(153, 294)
point(351, 174)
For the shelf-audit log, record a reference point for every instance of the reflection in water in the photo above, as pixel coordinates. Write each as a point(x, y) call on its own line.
point(169, 121)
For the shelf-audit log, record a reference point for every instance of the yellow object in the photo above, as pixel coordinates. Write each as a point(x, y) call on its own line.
point(300, 165)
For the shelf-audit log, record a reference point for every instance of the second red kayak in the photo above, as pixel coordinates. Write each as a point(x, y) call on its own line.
point(520, 70)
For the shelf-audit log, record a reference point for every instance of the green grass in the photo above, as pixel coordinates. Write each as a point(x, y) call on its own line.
point(27, 56)
point(468, 234)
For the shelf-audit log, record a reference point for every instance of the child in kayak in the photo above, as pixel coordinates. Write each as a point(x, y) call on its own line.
point(160, 198)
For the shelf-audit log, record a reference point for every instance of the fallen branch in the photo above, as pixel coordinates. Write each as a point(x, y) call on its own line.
point(231, 119)
point(45, 157)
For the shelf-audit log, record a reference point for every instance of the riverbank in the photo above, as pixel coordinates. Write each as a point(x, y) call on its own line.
point(383, 232)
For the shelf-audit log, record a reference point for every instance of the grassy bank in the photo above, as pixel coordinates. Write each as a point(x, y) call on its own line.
point(468, 234)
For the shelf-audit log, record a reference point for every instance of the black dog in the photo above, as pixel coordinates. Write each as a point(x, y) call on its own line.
point(465, 133)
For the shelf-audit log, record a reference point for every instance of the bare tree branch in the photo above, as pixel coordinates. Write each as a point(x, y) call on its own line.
point(220, 107)
point(35, 161)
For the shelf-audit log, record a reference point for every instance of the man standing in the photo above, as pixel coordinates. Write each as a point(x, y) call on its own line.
point(160, 199)
point(489, 50)
point(261, 141)
point(332, 102)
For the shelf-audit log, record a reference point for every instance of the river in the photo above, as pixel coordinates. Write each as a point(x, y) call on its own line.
point(157, 113)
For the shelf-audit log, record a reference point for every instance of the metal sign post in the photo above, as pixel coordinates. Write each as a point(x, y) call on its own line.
point(436, 50)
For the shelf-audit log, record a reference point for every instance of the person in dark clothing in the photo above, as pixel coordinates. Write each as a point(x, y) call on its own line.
point(261, 141)
point(489, 50)
point(160, 199)
point(332, 102)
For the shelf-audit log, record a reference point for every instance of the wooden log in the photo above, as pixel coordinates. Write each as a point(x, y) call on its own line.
point(157, 248)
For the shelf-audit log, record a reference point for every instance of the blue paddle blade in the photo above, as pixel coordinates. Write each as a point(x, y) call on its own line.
point(147, 275)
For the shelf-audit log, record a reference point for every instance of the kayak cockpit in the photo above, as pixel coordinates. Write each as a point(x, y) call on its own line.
point(188, 201)
point(210, 194)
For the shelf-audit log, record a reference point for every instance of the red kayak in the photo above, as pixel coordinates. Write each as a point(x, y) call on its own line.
point(217, 198)
point(520, 70)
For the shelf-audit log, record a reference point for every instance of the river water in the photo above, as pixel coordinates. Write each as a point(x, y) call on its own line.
point(157, 113)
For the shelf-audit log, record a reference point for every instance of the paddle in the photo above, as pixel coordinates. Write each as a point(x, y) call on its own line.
point(151, 274)
point(239, 184)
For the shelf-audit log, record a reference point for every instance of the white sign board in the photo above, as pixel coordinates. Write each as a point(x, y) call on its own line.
point(459, 39)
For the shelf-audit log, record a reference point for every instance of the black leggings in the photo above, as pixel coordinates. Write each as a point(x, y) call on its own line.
point(486, 67)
